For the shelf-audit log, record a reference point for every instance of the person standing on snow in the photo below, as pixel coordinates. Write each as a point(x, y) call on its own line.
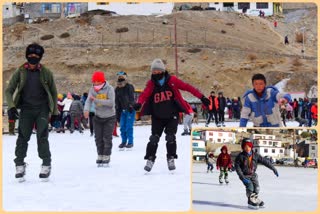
point(163, 101)
point(222, 106)
point(36, 97)
point(213, 109)
point(124, 109)
point(102, 95)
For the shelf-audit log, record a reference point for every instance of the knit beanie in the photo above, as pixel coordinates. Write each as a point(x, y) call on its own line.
point(98, 76)
point(245, 142)
point(122, 75)
point(157, 64)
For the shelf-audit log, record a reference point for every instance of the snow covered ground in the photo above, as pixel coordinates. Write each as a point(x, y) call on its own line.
point(294, 190)
point(76, 184)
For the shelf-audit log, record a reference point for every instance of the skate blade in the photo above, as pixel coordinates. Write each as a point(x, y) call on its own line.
point(129, 149)
point(20, 180)
point(105, 165)
point(44, 179)
point(122, 149)
point(253, 207)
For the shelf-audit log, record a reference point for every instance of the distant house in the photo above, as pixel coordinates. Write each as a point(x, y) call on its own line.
point(220, 136)
point(133, 8)
point(54, 10)
point(252, 8)
point(268, 145)
point(11, 10)
point(307, 148)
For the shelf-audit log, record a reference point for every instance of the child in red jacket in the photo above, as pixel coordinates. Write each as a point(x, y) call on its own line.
point(224, 163)
point(163, 101)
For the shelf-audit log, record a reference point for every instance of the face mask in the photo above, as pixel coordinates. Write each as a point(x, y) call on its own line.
point(157, 76)
point(33, 60)
point(98, 87)
point(121, 80)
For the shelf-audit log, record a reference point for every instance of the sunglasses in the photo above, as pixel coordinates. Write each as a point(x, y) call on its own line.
point(35, 50)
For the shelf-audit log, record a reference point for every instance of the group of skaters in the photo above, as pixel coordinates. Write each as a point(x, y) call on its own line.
point(32, 89)
point(245, 165)
point(302, 110)
point(216, 110)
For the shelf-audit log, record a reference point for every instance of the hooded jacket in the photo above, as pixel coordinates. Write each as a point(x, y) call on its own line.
point(224, 160)
point(104, 101)
point(264, 111)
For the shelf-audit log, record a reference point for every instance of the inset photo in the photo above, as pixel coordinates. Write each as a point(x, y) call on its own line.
point(259, 169)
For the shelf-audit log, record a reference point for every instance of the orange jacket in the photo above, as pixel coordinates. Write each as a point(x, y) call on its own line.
point(216, 103)
point(314, 112)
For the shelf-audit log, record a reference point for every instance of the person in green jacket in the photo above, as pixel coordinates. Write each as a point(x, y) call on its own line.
point(32, 90)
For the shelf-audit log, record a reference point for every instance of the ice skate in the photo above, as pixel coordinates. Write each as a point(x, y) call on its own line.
point(149, 165)
point(105, 160)
point(20, 173)
point(122, 146)
point(129, 147)
point(226, 180)
point(99, 161)
point(220, 181)
point(171, 165)
point(207, 124)
point(259, 201)
point(45, 173)
point(252, 202)
point(222, 124)
point(185, 132)
point(218, 124)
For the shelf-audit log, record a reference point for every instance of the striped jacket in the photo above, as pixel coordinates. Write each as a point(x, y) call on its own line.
point(264, 111)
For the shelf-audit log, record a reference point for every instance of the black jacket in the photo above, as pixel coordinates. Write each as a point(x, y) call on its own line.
point(222, 103)
point(242, 164)
point(124, 98)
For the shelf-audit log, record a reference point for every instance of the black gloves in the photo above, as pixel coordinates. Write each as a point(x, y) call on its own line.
point(13, 114)
point(136, 106)
point(205, 101)
point(130, 109)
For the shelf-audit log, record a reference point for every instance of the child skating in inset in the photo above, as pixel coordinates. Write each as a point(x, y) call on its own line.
point(224, 163)
point(246, 165)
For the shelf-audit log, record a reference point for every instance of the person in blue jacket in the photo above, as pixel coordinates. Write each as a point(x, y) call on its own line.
point(261, 104)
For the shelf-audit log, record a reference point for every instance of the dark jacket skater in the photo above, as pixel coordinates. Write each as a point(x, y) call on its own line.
point(222, 106)
point(246, 164)
point(76, 113)
point(163, 101)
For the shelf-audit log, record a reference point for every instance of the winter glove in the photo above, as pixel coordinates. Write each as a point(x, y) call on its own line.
point(276, 172)
point(130, 109)
point(205, 101)
point(246, 181)
point(136, 106)
point(13, 114)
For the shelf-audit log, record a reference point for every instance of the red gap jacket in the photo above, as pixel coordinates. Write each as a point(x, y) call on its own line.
point(175, 84)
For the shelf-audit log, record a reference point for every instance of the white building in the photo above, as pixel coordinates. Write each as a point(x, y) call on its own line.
point(267, 145)
point(10, 10)
point(253, 8)
point(133, 8)
point(220, 136)
point(198, 148)
point(313, 150)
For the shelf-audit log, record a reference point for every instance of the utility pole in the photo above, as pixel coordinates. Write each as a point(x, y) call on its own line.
point(176, 45)
point(303, 51)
